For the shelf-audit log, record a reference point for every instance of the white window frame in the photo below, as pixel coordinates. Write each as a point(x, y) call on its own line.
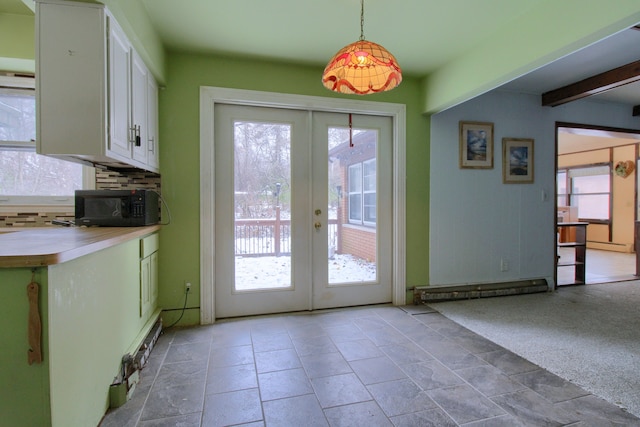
point(17, 203)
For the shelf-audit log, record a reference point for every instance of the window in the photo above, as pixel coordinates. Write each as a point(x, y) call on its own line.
point(369, 190)
point(362, 193)
point(591, 192)
point(562, 188)
point(27, 178)
point(355, 193)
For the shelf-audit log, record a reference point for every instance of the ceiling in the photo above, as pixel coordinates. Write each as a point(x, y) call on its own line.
point(612, 52)
point(422, 35)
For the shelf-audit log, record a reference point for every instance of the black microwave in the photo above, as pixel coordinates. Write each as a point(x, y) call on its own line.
point(116, 208)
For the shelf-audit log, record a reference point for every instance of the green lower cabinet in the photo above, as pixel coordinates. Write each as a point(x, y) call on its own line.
point(148, 274)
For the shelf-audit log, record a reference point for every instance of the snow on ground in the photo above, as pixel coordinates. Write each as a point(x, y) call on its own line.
point(275, 272)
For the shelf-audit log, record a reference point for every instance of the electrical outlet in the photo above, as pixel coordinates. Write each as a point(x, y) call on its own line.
point(504, 265)
point(187, 287)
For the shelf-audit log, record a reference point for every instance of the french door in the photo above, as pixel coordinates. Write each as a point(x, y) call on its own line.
point(303, 216)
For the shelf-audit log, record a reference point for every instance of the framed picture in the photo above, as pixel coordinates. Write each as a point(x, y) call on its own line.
point(517, 160)
point(476, 145)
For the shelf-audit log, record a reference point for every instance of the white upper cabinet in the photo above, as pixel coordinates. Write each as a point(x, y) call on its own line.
point(92, 89)
point(119, 92)
point(153, 154)
point(139, 131)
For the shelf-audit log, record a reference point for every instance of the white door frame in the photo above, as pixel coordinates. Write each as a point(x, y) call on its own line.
point(209, 96)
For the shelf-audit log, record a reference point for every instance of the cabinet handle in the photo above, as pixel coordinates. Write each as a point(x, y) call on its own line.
point(151, 146)
point(137, 133)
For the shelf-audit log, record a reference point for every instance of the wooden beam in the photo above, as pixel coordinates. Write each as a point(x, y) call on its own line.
point(593, 85)
point(636, 110)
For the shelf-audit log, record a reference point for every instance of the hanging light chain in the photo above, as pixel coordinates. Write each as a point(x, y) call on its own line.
point(361, 20)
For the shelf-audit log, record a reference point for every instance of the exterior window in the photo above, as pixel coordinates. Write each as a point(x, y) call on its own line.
point(17, 115)
point(591, 192)
point(562, 188)
point(369, 191)
point(27, 178)
point(355, 193)
point(362, 193)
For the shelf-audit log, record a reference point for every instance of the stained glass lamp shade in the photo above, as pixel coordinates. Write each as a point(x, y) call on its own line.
point(362, 68)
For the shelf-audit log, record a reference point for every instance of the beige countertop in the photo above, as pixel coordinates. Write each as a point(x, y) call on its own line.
point(42, 246)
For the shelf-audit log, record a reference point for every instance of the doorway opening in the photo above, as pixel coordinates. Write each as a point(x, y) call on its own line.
point(597, 186)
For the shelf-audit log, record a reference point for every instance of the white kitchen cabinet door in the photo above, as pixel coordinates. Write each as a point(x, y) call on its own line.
point(71, 79)
point(119, 91)
point(139, 75)
point(149, 274)
point(153, 147)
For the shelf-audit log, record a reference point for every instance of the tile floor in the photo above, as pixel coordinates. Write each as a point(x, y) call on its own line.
point(373, 366)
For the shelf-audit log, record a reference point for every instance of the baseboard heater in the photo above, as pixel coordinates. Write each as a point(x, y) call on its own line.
point(124, 384)
point(428, 294)
point(144, 351)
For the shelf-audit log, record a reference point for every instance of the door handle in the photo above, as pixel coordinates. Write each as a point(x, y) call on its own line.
point(317, 225)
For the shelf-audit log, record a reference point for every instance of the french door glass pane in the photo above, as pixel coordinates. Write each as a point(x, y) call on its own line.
point(262, 200)
point(351, 232)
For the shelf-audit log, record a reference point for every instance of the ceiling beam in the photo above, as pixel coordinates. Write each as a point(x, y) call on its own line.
point(593, 85)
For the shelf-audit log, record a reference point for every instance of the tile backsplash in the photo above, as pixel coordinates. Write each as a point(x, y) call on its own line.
point(111, 179)
point(106, 179)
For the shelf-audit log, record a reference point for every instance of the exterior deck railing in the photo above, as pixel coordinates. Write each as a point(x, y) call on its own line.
point(271, 237)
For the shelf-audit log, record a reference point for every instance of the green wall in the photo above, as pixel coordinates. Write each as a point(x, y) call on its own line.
point(180, 139)
point(17, 38)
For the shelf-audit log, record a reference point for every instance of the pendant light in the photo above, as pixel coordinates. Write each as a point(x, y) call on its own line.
point(362, 67)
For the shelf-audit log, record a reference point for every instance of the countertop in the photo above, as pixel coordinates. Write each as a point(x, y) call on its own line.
point(43, 246)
